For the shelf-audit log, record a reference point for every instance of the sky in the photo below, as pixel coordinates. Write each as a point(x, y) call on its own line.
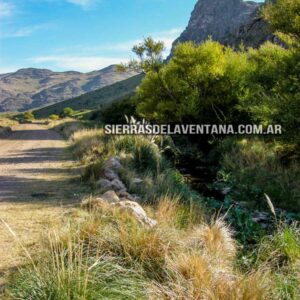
point(84, 35)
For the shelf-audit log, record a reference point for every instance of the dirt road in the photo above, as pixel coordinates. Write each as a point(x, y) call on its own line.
point(37, 185)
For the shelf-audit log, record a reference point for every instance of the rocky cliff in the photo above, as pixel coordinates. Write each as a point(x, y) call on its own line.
point(231, 22)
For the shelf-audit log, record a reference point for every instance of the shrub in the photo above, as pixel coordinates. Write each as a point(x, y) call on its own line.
point(54, 117)
point(28, 116)
point(67, 112)
point(254, 167)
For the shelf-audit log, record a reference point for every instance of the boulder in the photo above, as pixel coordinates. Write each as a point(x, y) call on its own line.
point(137, 211)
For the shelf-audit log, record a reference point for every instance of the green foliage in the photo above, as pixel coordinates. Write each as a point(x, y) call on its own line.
point(28, 116)
point(115, 113)
point(199, 83)
point(150, 57)
point(54, 117)
point(67, 112)
point(93, 172)
point(247, 231)
point(273, 94)
point(254, 167)
point(283, 15)
point(281, 252)
point(96, 99)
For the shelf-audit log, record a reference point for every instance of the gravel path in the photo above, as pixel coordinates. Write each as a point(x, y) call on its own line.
point(38, 184)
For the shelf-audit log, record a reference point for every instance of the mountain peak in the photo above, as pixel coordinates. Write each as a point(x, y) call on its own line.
point(216, 18)
point(226, 21)
point(33, 72)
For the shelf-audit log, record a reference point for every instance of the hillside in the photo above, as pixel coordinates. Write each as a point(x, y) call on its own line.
point(94, 99)
point(230, 22)
point(31, 88)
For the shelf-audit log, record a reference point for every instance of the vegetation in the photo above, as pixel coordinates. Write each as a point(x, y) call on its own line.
point(95, 99)
point(202, 247)
point(67, 112)
point(54, 117)
point(106, 253)
point(28, 116)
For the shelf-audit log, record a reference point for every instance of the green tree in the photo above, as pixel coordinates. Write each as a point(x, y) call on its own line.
point(67, 112)
point(284, 16)
point(200, 83)
point(149, 54)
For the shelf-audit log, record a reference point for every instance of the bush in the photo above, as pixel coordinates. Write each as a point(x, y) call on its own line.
point(54, 117)
point(67, 112)
point(28, 116)
point(204, 81)
point(115, 113)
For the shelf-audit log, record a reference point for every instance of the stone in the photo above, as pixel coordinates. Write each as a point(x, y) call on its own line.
point(113, 163)
point(118, 185)
point(229, 22)
point(137, 211)
point(104, 184)
point(110, 197)
point(111, 175)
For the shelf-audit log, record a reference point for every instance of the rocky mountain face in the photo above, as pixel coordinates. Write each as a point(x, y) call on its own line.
point(31, 88)
point(230, 22)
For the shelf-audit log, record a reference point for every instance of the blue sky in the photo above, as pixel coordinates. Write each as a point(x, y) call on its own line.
point(83, 35)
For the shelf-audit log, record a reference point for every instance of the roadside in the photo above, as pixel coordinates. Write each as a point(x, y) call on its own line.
point(38, 185)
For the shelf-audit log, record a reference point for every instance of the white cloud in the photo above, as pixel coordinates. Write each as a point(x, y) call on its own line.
point(167, 36)
point(23, 32)
point(78, 63)
point(6, 9)
point(67, 59)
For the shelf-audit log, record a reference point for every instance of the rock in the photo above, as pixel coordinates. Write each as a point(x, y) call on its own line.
point(113, 163)
point(123, 194)
point(137, 181)
point(104, 184)
point(137, 211)
point(229, 22)
point(111, 175)
point(110, 197)
point(118, 185)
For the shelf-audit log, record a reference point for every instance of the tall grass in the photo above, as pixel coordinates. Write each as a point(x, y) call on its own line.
point(109, 255)
point(255, 167)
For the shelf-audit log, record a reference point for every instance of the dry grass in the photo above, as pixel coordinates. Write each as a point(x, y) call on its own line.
point(168, 262)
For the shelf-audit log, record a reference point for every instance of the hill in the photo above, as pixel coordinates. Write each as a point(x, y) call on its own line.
point(95, 99)
point(31, 88)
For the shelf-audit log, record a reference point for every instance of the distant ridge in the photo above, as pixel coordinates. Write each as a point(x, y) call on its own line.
point(31, 88)
point(95, 99)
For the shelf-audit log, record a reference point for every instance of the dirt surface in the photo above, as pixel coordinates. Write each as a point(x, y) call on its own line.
point(38, 185)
